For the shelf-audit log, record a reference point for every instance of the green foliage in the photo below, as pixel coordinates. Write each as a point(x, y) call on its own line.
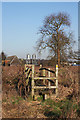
point(66, 107)
point(60, 109)
point(40, 98)
point(78, 109)
point(55, 113)
point(8, 82)
point(53, 110)
point(75, 107)
point(29, 98)
point(19, 98)
point(4, 100)
point(16, 100)
point(15, 80)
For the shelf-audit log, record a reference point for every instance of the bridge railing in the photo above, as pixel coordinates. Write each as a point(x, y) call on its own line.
point(30, 72)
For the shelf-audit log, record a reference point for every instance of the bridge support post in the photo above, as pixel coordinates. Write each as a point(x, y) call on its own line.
point(32, 81)
point(49, 76)
point(44, 75)
point(56, 80)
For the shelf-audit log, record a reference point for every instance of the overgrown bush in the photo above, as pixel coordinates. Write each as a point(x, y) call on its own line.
point(78, 110)
point(60, 109)
point(15, 100)
point(40, 98)
point(54, 113)
point(63, 79)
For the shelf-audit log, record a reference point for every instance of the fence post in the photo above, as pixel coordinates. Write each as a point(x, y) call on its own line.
point(40, 70)
point(28, 76)
point(44, 75)
point(56, 80)
point(40, 65)
point(25, 80)
point(25, 71)
point(32, 81)
point(49, 76)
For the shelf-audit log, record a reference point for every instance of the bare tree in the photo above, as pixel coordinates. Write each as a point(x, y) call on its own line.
point(54, 35)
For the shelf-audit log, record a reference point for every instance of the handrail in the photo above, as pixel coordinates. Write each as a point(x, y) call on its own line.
point(49, 78)
point(47, 70)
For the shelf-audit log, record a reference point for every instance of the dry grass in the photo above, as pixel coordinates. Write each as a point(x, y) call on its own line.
point(15, 106)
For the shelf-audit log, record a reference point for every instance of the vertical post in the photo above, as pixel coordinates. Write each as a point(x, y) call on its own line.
point(49, 76)
point(28, 74)
point(40, 65)
point(25, 81)
point(44, 75)
point(27, 78)
point(25, 69)
point(40, 70)
point(32, 81)
point(56, 80)
point(25, 90)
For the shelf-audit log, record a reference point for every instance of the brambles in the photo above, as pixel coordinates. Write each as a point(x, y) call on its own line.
point(16, 100)
point(78, 109)
point(40, 98)
point(67, 104)
point(61, 108)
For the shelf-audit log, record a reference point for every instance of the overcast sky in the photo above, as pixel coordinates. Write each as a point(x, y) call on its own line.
point(21, 22)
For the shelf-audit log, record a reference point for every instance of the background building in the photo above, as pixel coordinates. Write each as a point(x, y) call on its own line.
point(31, 60)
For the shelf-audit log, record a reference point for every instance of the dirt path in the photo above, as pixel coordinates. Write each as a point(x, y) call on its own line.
point(23, 109)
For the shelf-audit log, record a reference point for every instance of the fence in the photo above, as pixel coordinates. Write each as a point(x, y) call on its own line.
point(30, 73)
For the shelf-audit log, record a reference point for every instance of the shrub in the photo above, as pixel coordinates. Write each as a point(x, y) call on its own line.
point(60, 109)
point(78, 109)
point(66, 107)
point(15, 100)
point(64, 77)
point(53, 112)
point(40, 98)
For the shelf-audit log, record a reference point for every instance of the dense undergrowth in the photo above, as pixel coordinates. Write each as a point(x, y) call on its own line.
point(61, 108)
point(67, 105)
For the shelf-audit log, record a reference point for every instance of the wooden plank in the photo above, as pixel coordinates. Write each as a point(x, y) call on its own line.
point(41, 68)
point(40, 65)
point(27, 79)
point(32, 81)
point(45, 92)
point(41, 78)
point(25, 71)
point(56, 80)
point(43, 87)
point(27, 75)
point(49, 77)
point(28, 65)
point(40, 71)
point(44, 75)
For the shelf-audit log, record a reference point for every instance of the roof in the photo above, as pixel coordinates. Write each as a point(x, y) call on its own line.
point(11, 58)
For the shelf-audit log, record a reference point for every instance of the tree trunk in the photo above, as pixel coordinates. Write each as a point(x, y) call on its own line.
point(58, 51)
point(58, 57)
